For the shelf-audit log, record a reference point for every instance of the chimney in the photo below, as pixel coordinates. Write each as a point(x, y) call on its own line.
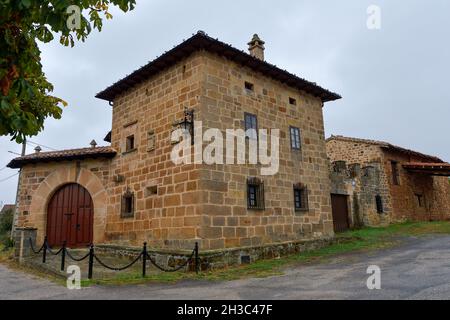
point(93, 144)
point(256, 47)
point(38, 149)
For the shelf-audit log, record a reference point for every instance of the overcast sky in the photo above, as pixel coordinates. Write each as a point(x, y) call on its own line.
point(394, 81)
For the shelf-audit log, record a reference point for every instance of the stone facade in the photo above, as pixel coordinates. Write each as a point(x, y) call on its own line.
point(400, 201)
point(38, 183)
point(178, 205)
point(362, 185)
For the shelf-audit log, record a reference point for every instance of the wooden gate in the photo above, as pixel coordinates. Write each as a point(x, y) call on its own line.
point(340, 212)
point(70, 217)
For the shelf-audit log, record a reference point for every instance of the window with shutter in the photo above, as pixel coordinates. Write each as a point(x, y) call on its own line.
point(300, 197)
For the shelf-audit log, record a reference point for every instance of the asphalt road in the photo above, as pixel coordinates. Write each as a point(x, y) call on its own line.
point(417, 269)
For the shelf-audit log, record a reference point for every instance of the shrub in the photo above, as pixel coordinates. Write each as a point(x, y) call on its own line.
point(6, 242)
point(6, 222)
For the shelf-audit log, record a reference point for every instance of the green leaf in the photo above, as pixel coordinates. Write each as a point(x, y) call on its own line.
point(26, 101)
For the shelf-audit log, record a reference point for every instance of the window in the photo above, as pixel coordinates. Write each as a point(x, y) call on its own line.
point(295, 138)
point(127, 205)
point(130, 143)
point(395, 173)
point(292, 101)
point(151, 141)
point(300, 197)
point(249, 86)
point(379, 203)
point(251, 123)
point(420, 201)
point(255, 194)
point(151, 191)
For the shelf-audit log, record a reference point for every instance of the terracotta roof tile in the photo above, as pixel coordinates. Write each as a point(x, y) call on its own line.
point(201, 41)
point(63, 155)
point(386, 145)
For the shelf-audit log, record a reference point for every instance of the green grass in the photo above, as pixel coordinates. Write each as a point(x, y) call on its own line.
point(363, 240)
point(367, 239)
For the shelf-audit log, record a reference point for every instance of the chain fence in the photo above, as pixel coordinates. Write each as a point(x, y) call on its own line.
point(143, 256)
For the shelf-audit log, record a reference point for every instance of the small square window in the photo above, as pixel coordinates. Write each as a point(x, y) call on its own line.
point(127, 210)
point(295, 138)
point(255, 194)
point(129, 143)
point(249, 86)
point(151, 191)
point(292, 101)
point(300, 197)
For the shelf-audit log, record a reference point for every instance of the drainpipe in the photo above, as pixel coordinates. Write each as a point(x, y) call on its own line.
point(16, 212)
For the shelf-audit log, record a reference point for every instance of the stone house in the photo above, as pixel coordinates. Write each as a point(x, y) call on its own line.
point(131, 191)
point(375, 183)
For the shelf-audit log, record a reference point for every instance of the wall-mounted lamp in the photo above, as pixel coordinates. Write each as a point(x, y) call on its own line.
point(187, 124)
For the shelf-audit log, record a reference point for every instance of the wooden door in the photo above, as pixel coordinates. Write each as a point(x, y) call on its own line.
point(70, 217)
point(340, 212)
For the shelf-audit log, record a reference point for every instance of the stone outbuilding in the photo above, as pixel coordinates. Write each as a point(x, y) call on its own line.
point(376, 183)
point(131, 191)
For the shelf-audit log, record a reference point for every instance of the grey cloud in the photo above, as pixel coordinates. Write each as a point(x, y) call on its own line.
point(393, 81)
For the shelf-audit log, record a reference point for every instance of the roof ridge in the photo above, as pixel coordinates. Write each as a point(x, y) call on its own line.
point(67, 150)
point(63, 155)
point(193, 44)
point(384, 144)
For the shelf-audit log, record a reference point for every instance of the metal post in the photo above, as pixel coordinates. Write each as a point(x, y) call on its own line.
point(44, 251)
point(144, 260)
point(63, 256)
point(91, 261)
point(197, 260)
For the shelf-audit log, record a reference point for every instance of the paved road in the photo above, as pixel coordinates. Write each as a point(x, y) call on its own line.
point(418, 269)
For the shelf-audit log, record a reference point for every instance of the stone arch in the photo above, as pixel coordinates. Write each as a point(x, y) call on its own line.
point(53, 182)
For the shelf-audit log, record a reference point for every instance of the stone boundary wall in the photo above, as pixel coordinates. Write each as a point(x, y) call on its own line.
point(219, 259)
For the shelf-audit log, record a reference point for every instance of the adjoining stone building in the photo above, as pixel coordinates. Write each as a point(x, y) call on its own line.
point(132, 191)
point(376, 183)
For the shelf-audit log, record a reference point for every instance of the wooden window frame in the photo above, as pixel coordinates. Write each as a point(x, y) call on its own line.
point(294, 133)
point(130, 143)
point(302, 191)
point(253, 121)
point(259, 201)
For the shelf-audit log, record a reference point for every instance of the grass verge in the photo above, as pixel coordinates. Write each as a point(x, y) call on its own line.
point(362, 240)
point(366, 239)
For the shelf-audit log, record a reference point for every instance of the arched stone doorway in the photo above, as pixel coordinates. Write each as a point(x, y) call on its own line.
point(60, 177)
point(70, 217)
